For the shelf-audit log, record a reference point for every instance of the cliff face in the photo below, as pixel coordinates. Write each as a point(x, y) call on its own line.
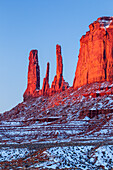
point(95, 60)
point(33, 75)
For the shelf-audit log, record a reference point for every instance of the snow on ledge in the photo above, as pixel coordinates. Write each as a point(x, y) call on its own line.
point(104, 23)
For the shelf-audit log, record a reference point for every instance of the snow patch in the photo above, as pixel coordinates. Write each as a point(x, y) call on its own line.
point(105, 23)
point(8, 154)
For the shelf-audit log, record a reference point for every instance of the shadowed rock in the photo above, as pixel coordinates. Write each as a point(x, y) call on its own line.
point(45, 87)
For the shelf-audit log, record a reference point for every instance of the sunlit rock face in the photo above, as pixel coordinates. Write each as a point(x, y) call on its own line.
point(33, 75)
point(95, 60)
point(58, 83)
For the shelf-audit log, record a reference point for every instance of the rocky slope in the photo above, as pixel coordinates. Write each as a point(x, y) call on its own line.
point(37, 133)
point(71, 115)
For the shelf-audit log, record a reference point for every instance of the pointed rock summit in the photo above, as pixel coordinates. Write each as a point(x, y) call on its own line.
point(45, 87)
point(33, 75)
point(95, 60)
point(59, 83)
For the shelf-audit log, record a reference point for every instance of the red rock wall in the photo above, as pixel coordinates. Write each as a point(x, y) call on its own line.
point(95, 60)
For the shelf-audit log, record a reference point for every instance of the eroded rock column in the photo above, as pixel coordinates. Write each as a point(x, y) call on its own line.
point(33, 75)
point(59, 69)
point(45, 87)
point(59, 83)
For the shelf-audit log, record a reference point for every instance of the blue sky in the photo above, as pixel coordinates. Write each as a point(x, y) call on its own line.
point(41, 24)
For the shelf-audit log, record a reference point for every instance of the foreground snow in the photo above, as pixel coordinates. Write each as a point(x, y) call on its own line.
point(9, 154)
point(82, 157)
point(79, 157)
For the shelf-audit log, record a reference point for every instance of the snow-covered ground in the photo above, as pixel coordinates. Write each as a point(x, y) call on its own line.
point(82, 113)
point(9, 154)
point(85, 114)
point(79, 157)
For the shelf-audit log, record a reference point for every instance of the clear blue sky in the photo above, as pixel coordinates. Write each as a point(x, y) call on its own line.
point(41, 24)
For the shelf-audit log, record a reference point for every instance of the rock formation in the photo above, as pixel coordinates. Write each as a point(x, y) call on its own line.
point(45, 87)
point(59, 70)
point(95, 60)
point(33, 85)
point(33, 75)
point(59, 83)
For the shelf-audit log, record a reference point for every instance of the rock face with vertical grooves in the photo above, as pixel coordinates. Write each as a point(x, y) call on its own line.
point(58, 83)
point(33, 75)
point(95, 60)
point(45, 87)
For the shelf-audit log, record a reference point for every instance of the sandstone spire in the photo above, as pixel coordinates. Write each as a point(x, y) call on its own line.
point(59, 69)
point(45, 87)
point(95, 62)
point(33, 75)
point(33, 85)
point(59, 83)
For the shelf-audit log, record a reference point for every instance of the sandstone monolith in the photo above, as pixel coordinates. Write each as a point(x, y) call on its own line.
point(95, 60)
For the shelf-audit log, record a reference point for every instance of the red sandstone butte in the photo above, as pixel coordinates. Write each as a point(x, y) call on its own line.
point(95, 60)
point(59, 83)
point(33, 75)
point(45, 87)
